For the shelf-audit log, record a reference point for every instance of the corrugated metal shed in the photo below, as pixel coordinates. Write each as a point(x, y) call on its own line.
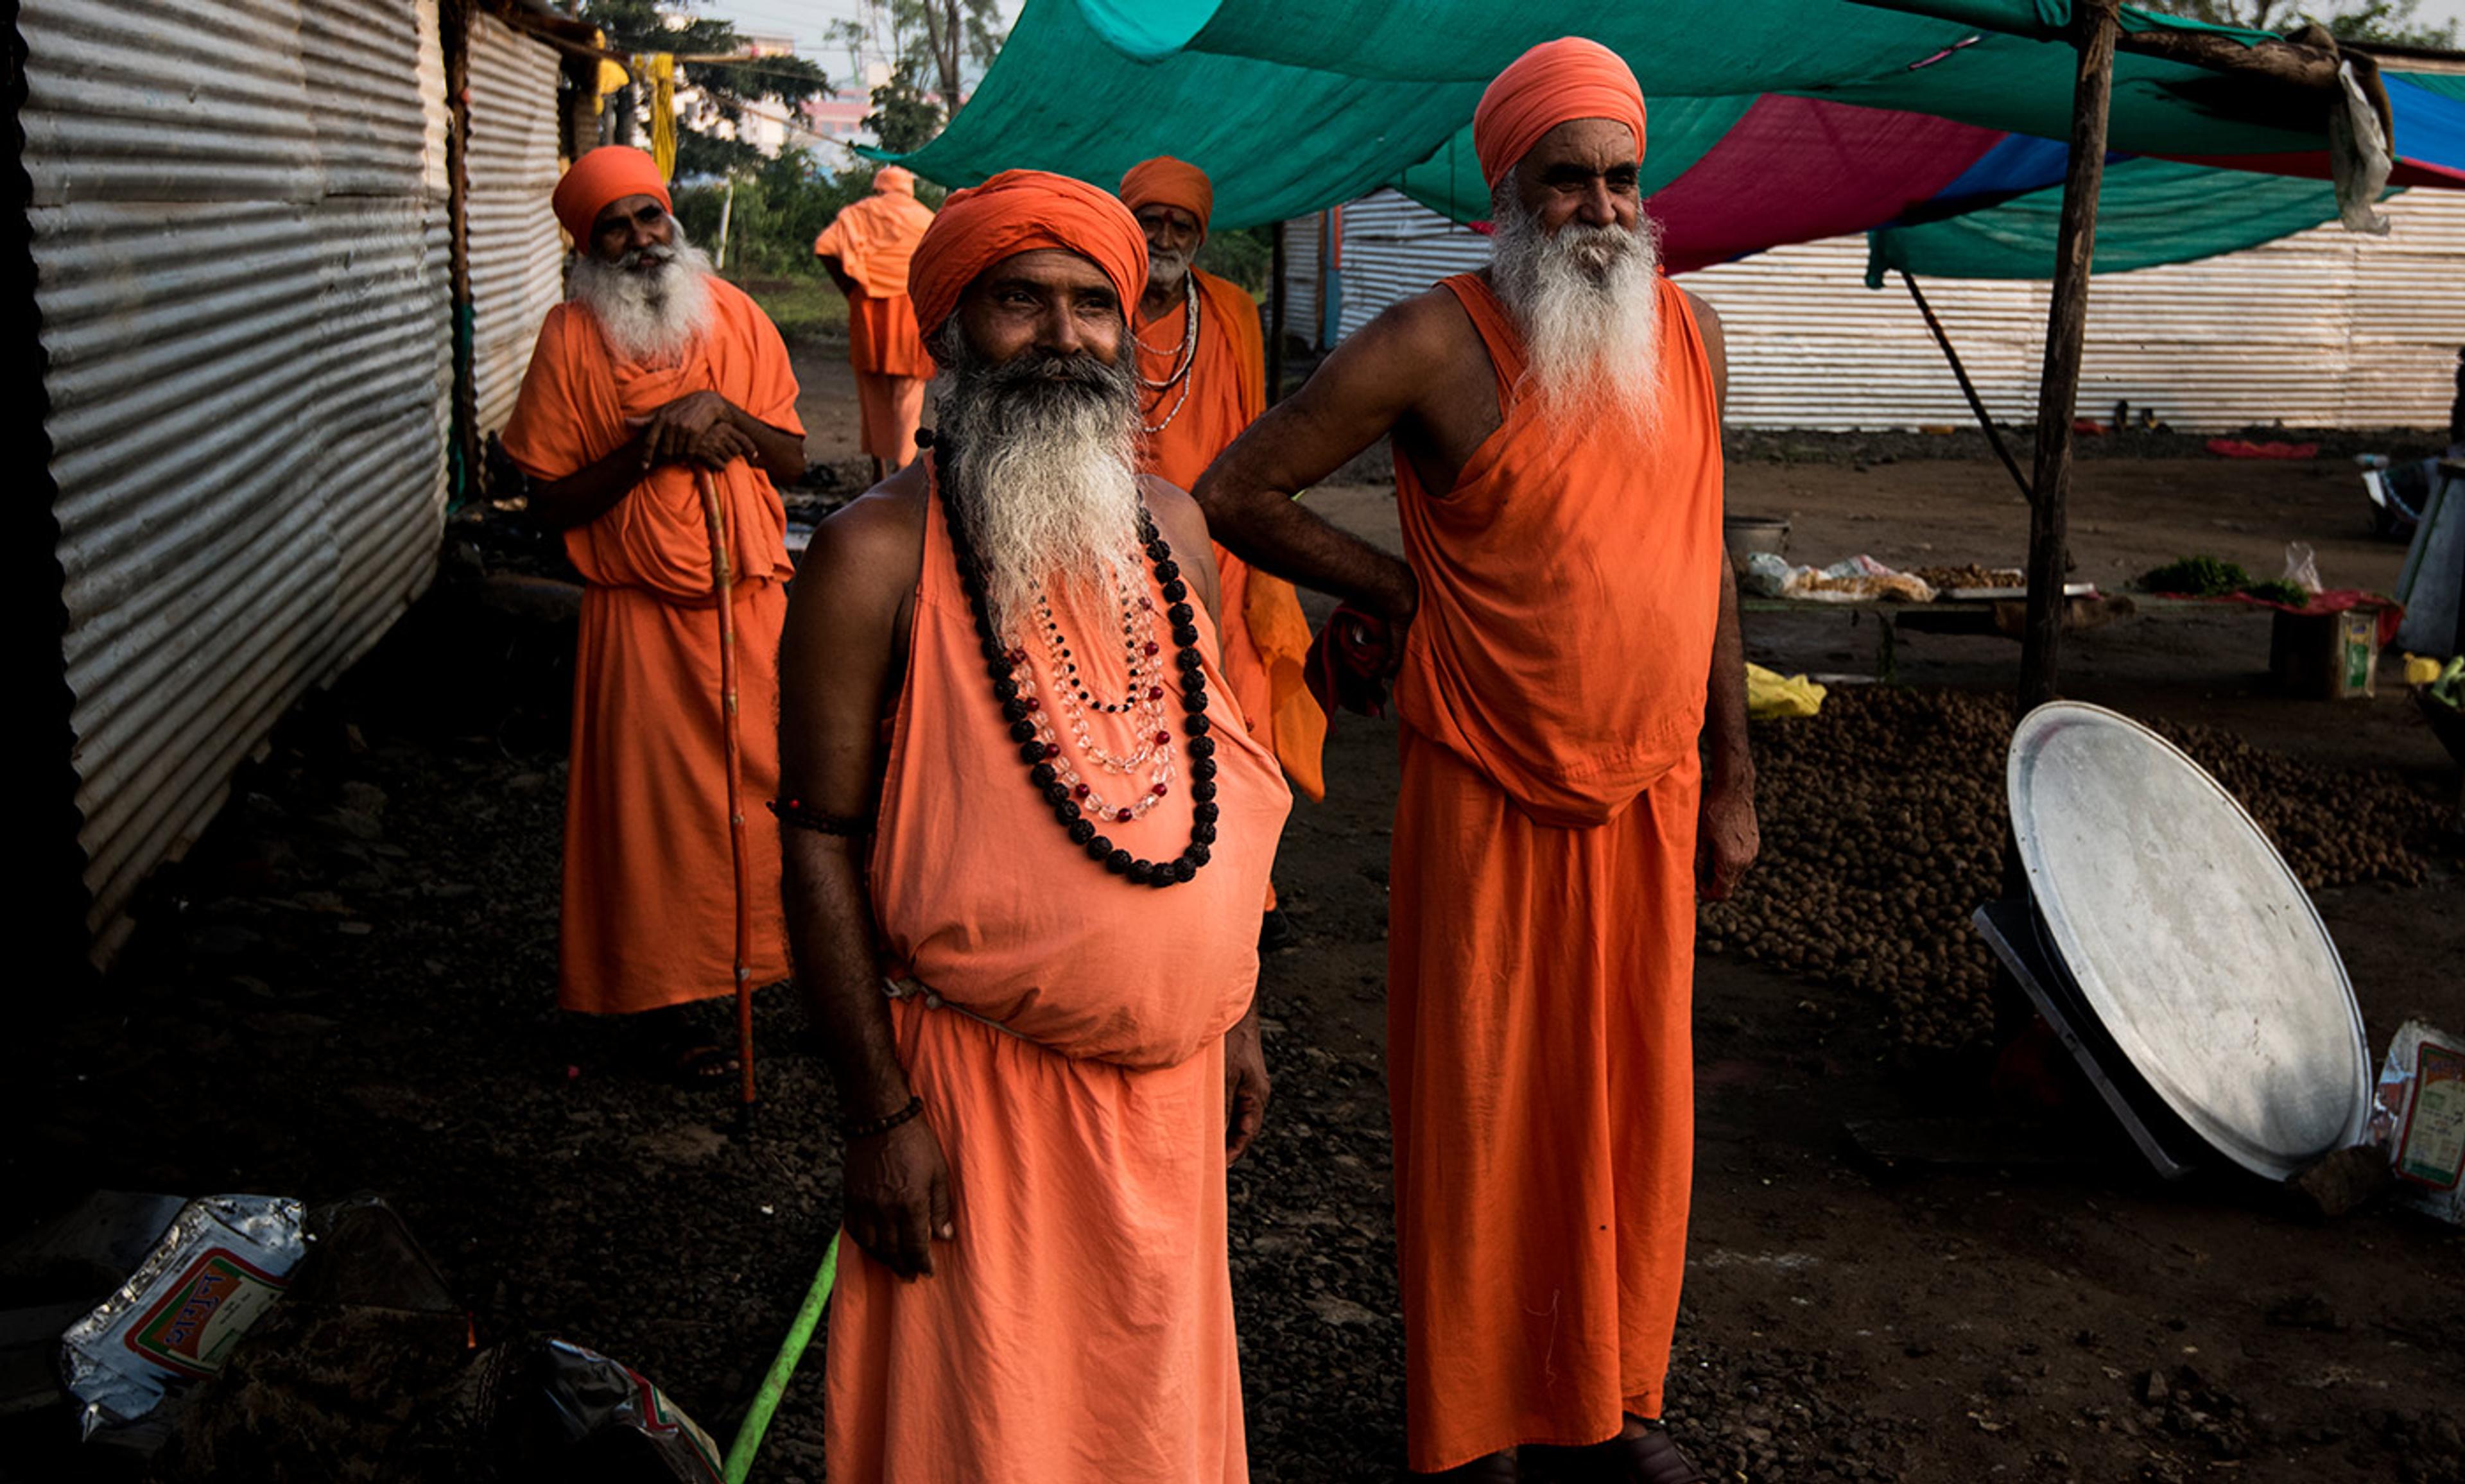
point(2325, 329)
point(517, 254)
point(239, 237)
point(1302, 250)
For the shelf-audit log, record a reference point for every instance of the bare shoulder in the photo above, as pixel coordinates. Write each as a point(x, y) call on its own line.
point(1705, 316)
point(872, 548)
point(1176, 514)
point(1431, 323)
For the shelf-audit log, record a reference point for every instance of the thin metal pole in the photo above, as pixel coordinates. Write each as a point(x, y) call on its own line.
point(1275, 325)
point(2066, 327)
point(1968, 389)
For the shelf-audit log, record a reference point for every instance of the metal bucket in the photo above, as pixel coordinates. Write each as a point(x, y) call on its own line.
point(1747, 535)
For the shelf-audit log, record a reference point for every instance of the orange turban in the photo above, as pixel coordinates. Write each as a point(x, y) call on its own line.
point(610, 172)
point(894, 180)
point(1172, 182)
point(1557, 80)
point(1021, 212)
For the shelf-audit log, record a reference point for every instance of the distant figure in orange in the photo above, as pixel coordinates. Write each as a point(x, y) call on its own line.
point(656, 372)
point(866, 248)
point(1201, 379)
point(1566, 632)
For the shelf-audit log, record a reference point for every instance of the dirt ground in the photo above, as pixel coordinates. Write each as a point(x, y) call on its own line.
point(349, 987)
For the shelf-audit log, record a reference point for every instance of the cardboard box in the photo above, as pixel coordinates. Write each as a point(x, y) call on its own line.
point(2326, 656)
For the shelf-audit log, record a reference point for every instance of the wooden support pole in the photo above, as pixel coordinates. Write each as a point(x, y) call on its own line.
point(2066, 325)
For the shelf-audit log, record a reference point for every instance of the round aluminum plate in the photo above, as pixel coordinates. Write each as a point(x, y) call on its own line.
point(2187, 935)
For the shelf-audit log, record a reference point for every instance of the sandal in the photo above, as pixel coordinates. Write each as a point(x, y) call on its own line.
point(1646, 1457)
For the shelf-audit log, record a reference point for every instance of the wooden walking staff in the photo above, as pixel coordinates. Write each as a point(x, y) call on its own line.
point(2066, 325)
point(722, 587)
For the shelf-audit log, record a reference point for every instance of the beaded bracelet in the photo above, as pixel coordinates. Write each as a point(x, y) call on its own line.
point(797, 812)
point(883, 1125)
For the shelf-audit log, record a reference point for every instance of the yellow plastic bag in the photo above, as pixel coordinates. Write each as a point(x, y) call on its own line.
point(1771, 694)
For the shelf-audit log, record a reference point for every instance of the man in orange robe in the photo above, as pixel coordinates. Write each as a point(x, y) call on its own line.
point(866, 248)
point(654, 376)
point(1203, 378)
point(1571, 688)
point(1023, 868)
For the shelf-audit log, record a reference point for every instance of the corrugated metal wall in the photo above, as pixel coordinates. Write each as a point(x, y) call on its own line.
point(1302, 246)
point(517, 256)
point(2325, 329)
point(238, 233)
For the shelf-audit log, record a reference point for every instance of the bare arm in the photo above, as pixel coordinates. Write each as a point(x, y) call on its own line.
point(1728, 833)
point(838, 659)
point(837, 270)
point(591, 491)
point(1368, 386)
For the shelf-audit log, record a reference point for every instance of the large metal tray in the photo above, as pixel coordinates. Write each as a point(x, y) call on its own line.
point(2186, 935)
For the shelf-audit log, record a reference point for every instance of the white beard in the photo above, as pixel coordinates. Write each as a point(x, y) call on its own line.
point(651, 303)
point(1590, 310)
point(1166, 271)
point(1044, 473)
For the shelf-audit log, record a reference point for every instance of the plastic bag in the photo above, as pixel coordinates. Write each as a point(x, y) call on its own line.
point(224, 1260)
point(2419, 1116)
point(2302, 567)
point(1771, 695)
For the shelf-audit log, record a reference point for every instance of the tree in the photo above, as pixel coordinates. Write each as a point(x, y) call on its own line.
point(729, 88)
point(2389, 21)
point(903, 114)
point(935, 42)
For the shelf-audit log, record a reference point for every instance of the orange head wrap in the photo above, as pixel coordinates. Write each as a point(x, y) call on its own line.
point(1557, 80)
point(894, 180)
point(1021, 212)
point(1170, 182)
point(610, 172)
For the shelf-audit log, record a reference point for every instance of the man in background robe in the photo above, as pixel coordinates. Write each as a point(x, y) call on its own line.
point(865, 248)
point(653, 374)
point(1203, 379)
point(1050, 858)
point(1573, 640)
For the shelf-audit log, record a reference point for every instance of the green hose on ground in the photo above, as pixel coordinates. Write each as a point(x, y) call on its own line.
point(774, 1385)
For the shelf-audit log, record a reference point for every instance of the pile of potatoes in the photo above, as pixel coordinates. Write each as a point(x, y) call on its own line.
point(1884, 826)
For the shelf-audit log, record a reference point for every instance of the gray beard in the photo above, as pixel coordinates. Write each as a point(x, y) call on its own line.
point(1166, 271)
point(1590, 310)
point(1042, 472)
point(652, 303)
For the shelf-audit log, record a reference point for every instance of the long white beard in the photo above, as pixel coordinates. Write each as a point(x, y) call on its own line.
point(652, 302)
point(1166, 271)
point(1044, 473)
point(1590, 309)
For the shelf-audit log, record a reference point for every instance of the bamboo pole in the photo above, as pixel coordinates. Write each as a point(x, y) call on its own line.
point(1276, 322)
point(2066, 327)
point(722, 587)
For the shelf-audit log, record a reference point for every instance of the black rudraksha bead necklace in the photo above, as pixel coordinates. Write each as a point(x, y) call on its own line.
point(1049, 771)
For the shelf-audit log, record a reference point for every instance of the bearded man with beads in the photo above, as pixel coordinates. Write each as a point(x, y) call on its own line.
point(1201, 380)
point(1025, 836)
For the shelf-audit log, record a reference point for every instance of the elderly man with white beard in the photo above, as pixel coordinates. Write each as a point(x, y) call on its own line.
point(653, 378)
point(1025, 838)
point(1565, 636)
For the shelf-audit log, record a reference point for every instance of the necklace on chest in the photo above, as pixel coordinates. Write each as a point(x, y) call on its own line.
point(1054, 724)
point(1183, 359)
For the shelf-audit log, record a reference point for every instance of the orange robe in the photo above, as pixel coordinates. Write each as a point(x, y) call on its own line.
point(1541, 953)
point(1265, 636)
point(874, 239)
point(649, 905)
point(1079, 1327)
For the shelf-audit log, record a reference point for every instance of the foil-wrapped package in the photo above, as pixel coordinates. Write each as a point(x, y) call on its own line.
point(222, 1262)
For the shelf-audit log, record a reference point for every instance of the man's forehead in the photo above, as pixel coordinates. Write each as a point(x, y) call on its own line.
point(1164, 212)
point(1057, 268)
point(624, 208)
point(1596, 143)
